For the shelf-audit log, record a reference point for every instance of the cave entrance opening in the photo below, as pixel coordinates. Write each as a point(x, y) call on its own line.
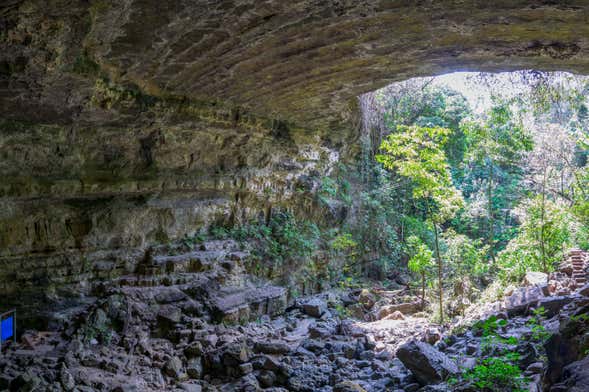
point(470, 180)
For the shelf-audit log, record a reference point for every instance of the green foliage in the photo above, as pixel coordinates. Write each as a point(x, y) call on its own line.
point(342, 311)
point(343, 243)
point(284, 240)
point(466, 257)
point(422, 257)
point(380, 215)
point(540, 242)
point(489, 326)
point(417, 153)
point(500, 371)
point(98, 327)
point(539, 332)
point(335, 189)
point(495, 147)
point(499, 139)
point(84, 65)
point(496, 374)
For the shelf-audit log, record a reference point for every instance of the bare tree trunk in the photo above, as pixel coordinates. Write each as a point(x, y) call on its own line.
point(422, 290)
point(491, 234)
point(542, 223)
point(440, 288)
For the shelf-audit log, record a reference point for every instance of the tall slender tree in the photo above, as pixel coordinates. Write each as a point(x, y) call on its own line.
point(417, 153)
point(496, 144)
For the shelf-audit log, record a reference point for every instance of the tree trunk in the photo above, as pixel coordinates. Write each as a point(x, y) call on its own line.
point(423, 290)
point(440, 288)
point(542, 223)
point(491, 234)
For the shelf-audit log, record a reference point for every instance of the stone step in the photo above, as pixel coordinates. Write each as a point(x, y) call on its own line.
point(190, 262)
point(235, 305)
point(153, 281)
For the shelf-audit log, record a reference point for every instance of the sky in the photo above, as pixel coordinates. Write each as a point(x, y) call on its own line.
point(478, 88)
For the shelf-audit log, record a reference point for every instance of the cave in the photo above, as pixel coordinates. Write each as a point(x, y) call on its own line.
point(138, 136)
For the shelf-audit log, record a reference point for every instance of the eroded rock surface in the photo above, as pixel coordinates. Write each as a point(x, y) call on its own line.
point(125, 124)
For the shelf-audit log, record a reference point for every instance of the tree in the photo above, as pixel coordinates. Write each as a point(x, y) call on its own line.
point(417, 153)
point(420, 261)
point(496, 145)
point(541, 239)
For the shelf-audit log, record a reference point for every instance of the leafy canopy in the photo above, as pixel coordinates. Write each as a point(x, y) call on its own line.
point(422, 257)
point(417, 153)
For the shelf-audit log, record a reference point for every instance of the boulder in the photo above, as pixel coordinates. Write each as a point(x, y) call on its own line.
point(66, 379)
point(553, 305)
point(535, 278)
point(522, 299)
point(432, 335)
point(309, 377)
point(246, 368)
point(266, 362)
point(404, 308)
point(25, 382)
point(322, 330)
point(576, 376)
point(314, 307)
point(190, 387)
point(266, 378)
point(235, 353)
point(366, 299)
point(428, 365)
point(348, 386)
point(561, 350)
point(396, 315)
point(535, 368)
point(584, 290)
point(234, 305)
point(271, 347)
point(194, 368)
point(193, 350)
point(173, 368)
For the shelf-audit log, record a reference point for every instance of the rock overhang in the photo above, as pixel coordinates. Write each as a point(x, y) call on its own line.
point(303, 61)
point(129, 123)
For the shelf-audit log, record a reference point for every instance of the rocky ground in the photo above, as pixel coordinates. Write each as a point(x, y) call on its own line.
point(193, 321)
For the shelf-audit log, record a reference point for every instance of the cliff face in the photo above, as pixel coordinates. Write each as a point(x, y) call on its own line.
point(129, 123)
point(82, 201)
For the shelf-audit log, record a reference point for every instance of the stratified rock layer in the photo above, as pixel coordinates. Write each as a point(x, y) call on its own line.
point(129, 123)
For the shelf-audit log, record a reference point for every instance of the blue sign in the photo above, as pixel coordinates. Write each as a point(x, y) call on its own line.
point(7, 327)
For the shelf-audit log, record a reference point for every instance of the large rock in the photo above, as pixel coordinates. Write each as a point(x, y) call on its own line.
point(576, 376)
point(173, 368)
point(315, 307)
point(584, 290)
point(428, 365)
point(172, 144)
point(348, 386)
point(535, 278)
point(194, 368)
point(522, 299)
point(404, 308)
point(553, 305)
point(271, 347)
point(234, 304)
point(561, 350)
